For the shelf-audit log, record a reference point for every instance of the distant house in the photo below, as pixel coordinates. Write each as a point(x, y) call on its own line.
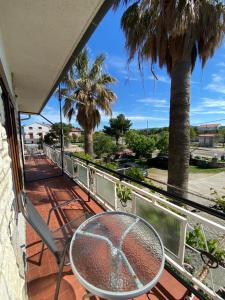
point(75, 132)
point(208, 135)
point(32, 133)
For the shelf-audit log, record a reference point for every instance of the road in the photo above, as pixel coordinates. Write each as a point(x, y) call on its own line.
point(207, 152)
point(199, 183)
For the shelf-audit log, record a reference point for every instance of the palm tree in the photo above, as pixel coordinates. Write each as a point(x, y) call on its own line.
point(87, 92)
point(173, 33)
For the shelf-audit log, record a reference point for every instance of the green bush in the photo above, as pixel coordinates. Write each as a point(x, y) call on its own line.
point(109, 165)
point(103, 145)
point(142, 145)
point(135, 173)
point(83, 155)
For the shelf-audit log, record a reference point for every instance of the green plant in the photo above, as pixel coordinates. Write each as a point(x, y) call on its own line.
point(103, 145)
point(83, 155)
point(215, 159)
point(142, 145)
point(163, 143)
point(124, 194)
point(135, 173)
point(109, 165)
point(196, 240)
point(218, 199)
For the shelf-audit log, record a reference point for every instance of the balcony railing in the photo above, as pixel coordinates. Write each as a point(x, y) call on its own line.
point(175, 223)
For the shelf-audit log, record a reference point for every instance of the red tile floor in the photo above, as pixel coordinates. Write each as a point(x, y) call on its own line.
point(41, 277)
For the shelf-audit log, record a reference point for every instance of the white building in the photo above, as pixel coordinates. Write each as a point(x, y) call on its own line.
point(34, 132)
point(208, 135)
point(75, 132)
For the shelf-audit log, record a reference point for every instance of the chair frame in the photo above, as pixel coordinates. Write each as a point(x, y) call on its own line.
point(60, 259)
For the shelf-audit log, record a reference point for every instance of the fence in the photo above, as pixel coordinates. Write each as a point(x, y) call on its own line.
point(175, 224)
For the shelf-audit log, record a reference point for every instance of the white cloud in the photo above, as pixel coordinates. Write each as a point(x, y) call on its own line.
point(207, 112)
point(146, 118)
point(160, 78)
point(137, 118)
point(217, 103)
point(130, 72)
point(155, 102)
point(209, 106)
point(52, 113)
point(217, 84)
point(221, 64)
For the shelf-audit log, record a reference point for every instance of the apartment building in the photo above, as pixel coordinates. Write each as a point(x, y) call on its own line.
point(35, 132)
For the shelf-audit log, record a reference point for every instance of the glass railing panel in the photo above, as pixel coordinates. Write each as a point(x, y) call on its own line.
point(105, 189)
point(68, 164)
point(58, 158)
point(82, 174)
point(169, 225)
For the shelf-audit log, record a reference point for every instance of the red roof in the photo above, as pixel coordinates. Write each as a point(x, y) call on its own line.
point(208, 125)
point(75, 130)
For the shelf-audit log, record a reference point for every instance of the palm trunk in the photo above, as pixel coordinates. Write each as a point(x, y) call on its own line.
point(179, 128)
point(88, 134)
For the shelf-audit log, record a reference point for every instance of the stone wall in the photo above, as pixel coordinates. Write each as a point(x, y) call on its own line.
point(12, 273)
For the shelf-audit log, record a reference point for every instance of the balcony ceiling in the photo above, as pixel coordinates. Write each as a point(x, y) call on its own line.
point(40, 36)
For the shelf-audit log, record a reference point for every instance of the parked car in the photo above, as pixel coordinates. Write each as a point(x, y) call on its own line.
point(160, 162)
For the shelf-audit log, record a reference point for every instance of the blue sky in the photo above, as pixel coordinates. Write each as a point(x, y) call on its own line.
point(144, 99)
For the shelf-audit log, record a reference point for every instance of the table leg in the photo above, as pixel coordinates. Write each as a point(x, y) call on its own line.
point(87, 295)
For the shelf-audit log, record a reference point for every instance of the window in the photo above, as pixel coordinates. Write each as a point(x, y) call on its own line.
point(30, 128)
point(31, 136)
point(40, 128)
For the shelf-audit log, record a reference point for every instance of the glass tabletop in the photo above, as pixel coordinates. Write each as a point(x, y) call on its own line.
point(117, 255)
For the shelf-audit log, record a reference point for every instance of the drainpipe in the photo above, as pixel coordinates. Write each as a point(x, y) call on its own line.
point(22, 143)
point(61, 135)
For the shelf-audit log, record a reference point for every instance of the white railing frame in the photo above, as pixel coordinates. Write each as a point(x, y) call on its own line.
point(154, 200)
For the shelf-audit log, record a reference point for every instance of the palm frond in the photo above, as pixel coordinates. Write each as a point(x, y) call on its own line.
point(96, 69)
point(81, 64)
point(87, 91)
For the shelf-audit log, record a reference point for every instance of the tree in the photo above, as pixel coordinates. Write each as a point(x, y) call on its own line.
point(103, 144)
point(117, 127)
point(193, 133)
point(142, 145)
point(173, 33)
point(222, 134)
point(163, 143)
point(87, 91)
point(53, 136)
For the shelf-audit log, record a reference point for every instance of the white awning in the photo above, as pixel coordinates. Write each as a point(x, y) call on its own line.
point(39, 37)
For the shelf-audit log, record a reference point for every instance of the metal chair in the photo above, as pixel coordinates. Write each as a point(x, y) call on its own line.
point(57, 241)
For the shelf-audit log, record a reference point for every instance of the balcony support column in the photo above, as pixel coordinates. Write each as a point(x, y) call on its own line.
point(61, 133)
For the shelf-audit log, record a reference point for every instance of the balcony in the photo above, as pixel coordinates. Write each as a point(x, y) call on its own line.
point(99, 191)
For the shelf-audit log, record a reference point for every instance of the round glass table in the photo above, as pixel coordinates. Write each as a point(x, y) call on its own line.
point(117, 255)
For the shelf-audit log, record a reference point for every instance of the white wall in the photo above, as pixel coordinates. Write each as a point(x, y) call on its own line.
point(35, 130)
point(12, 273)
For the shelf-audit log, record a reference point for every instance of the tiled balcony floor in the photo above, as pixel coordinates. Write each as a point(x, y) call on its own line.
point(41, 278)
